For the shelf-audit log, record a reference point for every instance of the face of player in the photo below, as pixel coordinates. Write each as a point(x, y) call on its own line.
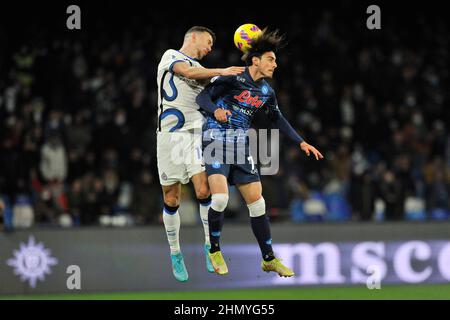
point(266, 64)
point(203, 44)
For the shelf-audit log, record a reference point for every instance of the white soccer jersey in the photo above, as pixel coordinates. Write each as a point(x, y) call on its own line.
point(177, 109)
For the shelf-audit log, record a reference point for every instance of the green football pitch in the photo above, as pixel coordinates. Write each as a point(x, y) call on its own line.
point(388, 292)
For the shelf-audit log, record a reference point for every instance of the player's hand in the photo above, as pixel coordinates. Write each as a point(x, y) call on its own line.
point(222, 114)
point(307, 148)
point(231, 71)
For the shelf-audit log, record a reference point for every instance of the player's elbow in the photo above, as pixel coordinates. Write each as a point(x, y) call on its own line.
point(201, 98)
point(204, 101)
point(274, 118)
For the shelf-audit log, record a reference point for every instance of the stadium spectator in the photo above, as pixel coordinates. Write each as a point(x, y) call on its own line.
point(146, 199)
point(363, 193)
point(392, 194)
point(53, 160)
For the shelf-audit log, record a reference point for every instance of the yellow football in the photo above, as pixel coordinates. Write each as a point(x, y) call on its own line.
point(244, 35)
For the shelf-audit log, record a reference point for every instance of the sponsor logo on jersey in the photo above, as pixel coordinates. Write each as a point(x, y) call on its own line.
point(247, 98)
point(248, 112)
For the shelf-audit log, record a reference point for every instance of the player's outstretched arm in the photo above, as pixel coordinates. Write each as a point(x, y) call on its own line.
point(308, 149)
point(199, 73)
point(280, 122)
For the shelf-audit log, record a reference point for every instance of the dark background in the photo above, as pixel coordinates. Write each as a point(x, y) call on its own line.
point(374, 102)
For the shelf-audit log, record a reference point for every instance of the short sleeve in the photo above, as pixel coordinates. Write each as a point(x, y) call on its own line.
point(169, 59)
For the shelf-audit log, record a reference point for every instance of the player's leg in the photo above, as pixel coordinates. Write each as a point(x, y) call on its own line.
point(196, 171)
point(217, 170)
point(171, 219)
point(219, 200)
point(203, 194)
point(252, 194)
point(171, 175)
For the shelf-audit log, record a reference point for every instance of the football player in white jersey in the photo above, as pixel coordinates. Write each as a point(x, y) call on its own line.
point(180, 78)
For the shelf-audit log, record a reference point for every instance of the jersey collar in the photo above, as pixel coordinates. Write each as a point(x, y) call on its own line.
point(187, 56)
point(249, 76)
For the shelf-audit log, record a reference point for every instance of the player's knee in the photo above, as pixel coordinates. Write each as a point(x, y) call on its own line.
point(171, 200)
point(257, 208)
point(219, 201)
point(202, 192)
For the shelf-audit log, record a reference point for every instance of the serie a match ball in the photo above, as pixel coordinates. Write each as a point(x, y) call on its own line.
point(244, 35)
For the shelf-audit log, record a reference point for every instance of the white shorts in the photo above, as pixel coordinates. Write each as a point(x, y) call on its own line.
point(179, 156)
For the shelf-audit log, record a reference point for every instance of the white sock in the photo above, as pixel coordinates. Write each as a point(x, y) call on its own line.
point(172, 225)
point(204, 217)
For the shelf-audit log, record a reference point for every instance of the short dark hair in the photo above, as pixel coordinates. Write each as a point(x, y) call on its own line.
point(202, 29)
point(266, 42)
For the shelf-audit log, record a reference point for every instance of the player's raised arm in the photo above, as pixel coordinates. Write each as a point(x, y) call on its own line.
point(278, 121)
point(199, 73)
point(198, 42)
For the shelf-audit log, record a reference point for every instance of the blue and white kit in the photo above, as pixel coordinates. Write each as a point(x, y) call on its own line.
point(180, 122)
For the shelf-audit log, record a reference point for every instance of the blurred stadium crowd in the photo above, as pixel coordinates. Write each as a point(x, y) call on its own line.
point(78, 121)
